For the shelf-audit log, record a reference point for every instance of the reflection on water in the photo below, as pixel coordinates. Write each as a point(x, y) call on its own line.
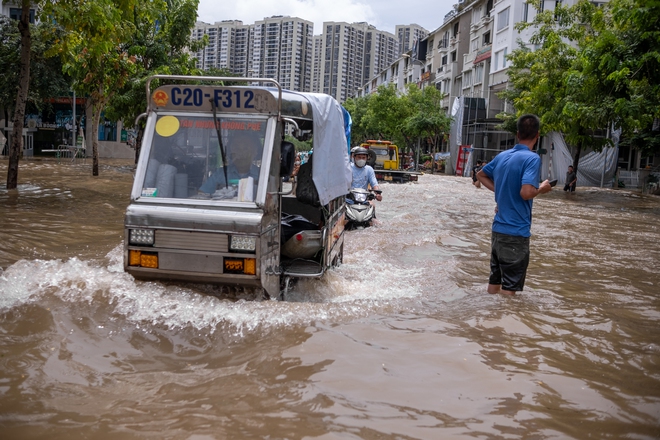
point(399, 342)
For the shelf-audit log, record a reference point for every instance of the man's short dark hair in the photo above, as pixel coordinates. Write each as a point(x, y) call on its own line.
point(528, 127)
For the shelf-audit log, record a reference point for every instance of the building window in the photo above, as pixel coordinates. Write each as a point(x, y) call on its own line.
point(444, 60)
point(453, 56)
point(476, 15)
point(15, 14)
point(475, 45)
point(467, 78)
point(487, 38)
point(500, 60)
point(525, 12)
point(503, 19)
point(478, 73)
point(455, 30)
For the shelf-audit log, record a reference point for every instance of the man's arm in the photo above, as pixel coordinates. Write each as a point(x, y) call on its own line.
point(379, 197)
point(485, 180)
point(528, 191)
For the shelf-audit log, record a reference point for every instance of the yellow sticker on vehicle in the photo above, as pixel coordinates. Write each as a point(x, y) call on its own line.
point(167, 126)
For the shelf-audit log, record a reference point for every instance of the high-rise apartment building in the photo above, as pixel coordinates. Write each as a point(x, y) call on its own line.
point(277, 47)
point(350, 55)
point(317, 61)
point(227, 48)
point(407, 35)
point(283, 49)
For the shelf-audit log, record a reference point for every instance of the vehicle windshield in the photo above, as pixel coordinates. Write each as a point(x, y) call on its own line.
point(185, 160)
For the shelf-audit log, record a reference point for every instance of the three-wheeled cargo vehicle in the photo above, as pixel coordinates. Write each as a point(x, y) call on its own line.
point(210, 204)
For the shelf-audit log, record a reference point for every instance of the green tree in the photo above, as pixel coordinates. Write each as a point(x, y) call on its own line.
point(593, 67)
point(385, 115)
point(358, 107)
point(91, 48)
point(427, 120)
point(46, 78)
point(625, 59)
point(158, 49)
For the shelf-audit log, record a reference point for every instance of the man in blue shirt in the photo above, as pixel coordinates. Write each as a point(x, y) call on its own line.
point(513, 175)
point(363, 174)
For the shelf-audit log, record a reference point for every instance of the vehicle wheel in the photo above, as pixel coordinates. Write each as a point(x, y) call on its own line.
point(371, 158)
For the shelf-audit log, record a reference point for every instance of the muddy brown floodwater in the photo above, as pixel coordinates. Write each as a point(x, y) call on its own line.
point(400, 342)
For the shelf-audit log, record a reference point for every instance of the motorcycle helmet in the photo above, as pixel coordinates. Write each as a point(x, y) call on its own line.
point(356, 152)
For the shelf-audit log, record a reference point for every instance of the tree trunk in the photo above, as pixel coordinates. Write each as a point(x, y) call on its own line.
point(96, 116)
point(576, 159)
point(16, 147)
point(98, 104)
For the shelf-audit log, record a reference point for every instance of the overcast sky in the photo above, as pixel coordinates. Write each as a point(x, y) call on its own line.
point(383, 14)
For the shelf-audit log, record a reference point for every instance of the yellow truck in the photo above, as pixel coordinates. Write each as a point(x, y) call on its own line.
point(385, 159)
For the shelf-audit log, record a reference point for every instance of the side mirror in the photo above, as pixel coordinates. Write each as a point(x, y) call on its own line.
point(287, 158)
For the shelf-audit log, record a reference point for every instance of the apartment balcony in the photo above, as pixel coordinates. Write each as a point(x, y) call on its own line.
point(468, 57)
point(484, 21)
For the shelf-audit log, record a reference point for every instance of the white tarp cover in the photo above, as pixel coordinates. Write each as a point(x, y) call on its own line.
point(331, 167)
point(593, 168)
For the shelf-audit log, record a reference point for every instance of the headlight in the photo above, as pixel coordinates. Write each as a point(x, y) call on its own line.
point(141, 236)
point(243, 243)
point(360, 197)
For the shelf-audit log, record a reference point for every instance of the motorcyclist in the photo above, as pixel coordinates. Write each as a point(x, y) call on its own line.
point(363, 174)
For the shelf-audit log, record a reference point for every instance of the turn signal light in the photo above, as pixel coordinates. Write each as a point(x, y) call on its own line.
point(250, 267)
point(143, 259)
point(134, 258)
point(149, 260)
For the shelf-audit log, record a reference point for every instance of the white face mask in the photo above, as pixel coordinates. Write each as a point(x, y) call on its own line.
point(360, 162)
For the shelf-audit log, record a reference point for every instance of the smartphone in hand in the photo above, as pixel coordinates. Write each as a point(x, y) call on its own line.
point(553, 182)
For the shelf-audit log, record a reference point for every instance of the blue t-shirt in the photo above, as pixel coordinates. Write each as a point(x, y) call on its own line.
point(363, 177)
point(510, 170)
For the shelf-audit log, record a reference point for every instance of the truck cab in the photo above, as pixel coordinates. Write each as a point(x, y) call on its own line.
point(385, 159)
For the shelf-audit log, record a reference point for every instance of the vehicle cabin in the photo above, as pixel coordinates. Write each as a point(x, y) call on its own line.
point(209, 203)
point(385, 154)
point(386, 160)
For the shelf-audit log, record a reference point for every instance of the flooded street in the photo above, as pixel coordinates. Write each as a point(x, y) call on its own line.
point(400, 342)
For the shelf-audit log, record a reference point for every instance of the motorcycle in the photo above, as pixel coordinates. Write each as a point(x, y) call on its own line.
point(361, 212)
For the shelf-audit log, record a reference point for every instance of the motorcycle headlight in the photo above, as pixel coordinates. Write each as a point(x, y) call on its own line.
point(360, 197)
point(141, 236)
point(243, 243)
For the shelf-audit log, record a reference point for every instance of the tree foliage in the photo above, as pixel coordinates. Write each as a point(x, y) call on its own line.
point(427, 119)
point(46, 79)
point(401, 118)
point(91, 48)
point(163, 47)
point(357, 107)
point(592, 68)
